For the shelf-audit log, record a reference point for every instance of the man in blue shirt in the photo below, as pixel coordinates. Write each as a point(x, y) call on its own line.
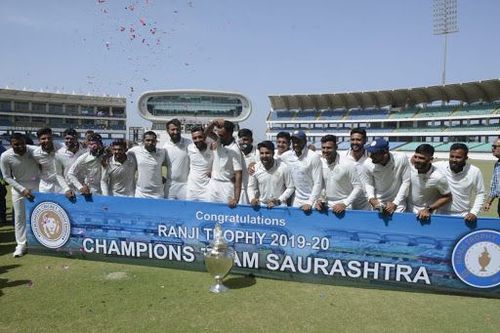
point(495, 178)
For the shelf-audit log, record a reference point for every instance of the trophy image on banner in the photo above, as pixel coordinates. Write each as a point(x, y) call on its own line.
point(219, 260)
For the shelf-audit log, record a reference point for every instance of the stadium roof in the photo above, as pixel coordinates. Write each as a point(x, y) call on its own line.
point(470, 92)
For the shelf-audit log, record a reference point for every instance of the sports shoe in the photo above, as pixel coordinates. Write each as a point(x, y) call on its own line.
point(20, 251)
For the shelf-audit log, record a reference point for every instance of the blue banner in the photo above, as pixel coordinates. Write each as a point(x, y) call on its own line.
point(357, 248)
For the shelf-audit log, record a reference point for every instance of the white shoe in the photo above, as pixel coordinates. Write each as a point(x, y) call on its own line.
point(20, 251)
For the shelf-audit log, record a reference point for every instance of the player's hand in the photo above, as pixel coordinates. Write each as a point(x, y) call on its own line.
point(486, 207)
point(470, 217)
point(390, 208)
point(254, 202)
point(232, 203)
point(306, 208)
point(374, 203)
point(27, 194)
point(69, 194)
point(424, 214)
point(251, 168)
point(85, 190)
point(339, 208)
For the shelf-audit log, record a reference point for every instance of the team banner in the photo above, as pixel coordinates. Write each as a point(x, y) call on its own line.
point(357, 248)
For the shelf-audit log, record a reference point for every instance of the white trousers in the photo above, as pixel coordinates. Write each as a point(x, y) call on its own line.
point(19, 217)
point(218, 191)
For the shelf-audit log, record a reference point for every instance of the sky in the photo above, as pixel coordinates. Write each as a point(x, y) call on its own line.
point(255, 47)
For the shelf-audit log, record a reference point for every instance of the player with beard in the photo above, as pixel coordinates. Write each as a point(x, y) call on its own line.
point(429, 189)
point(495, 179)
point(357, 153)
point(225, 183)
point(65, 157)
point(150, 160)
point(200, 165)
point(118, 174)
point(305, 166)
point(386, 177)
point(341, 184)
point(44, 154)
point(250, 157)
point(21, 171)
point(178, 165)
point(466, 184)
point(271, 184)
point(85, 174)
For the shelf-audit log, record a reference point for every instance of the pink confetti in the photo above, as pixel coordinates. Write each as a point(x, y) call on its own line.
point(107, 45)
point(153, 31)
point(101, 1)
point(143, 22)
point(122, 29)
point(143, 40)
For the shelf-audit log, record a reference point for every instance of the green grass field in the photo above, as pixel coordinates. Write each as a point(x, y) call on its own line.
point(49, 294)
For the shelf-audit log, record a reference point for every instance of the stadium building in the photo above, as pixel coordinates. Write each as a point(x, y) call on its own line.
point(439, 115)
point(27, 111)
point(191, 107)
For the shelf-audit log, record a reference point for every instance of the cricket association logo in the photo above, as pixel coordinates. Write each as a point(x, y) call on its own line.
point(476, 259)
point(50, 224)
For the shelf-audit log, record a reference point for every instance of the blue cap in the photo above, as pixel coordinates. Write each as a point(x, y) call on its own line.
point(377, 145)
point(299, 135)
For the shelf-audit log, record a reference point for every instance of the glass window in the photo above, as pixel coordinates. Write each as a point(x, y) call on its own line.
point(55, 108)
point(21, 106)
point(38, 107)
point(5, 106)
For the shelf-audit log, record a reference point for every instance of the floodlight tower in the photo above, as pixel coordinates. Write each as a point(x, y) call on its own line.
point(445, 22)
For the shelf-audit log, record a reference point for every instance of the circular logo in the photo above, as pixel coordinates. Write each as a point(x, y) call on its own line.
point(50, 224)
point(476, 259)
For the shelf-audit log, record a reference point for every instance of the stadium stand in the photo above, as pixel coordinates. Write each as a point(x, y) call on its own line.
point(464, 112)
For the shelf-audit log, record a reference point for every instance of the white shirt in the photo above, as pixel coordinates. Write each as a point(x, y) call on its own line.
point(275, 183)
point(88, 169)
point(426, 188)
point(63, 160)
point(357, 163)
point(389, 183)
point(465, 186)
point(227, 160)
point(118, 179)
point(178, 159)
point(341, 182)
point(306, 174)
point(48, 177)
point(149, 176)
point(200, 167)
point(20, 171)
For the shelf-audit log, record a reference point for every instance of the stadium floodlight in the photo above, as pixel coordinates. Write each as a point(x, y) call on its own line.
point(445, 22)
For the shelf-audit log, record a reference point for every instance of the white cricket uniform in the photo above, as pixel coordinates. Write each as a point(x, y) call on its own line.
point(49, 182)
point(341, 182)
point(361, 201)
point(306, 174)
point(22, 173)
point(118, 179)
point(227, 160)
point(149, 177)
point(63, 160)
point(200, 168)
point(389, 183)
point(179, 168)
point(89, 168)
point(252, 157)
point(426, 188)
point(268, 185)
point(467, 189)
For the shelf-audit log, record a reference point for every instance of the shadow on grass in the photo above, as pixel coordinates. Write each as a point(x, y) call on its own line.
point(240, 282)
point(5, 283)
point(7, 239)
